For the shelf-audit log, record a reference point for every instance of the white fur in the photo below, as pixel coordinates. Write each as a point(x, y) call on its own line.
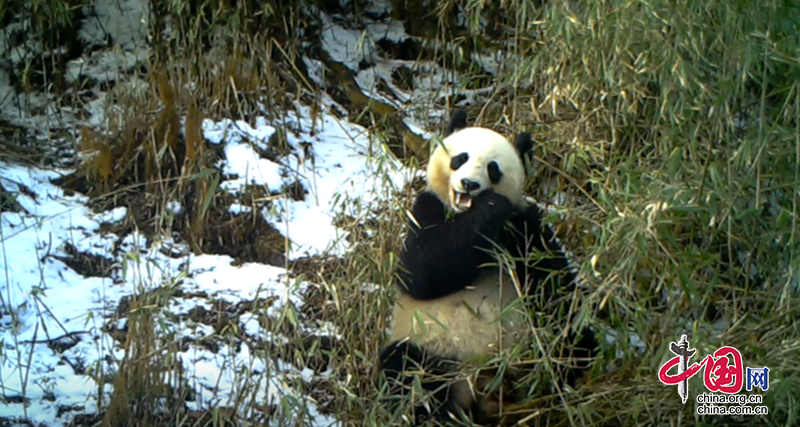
point(481, 320)
point(483, 146)
point(467, 324)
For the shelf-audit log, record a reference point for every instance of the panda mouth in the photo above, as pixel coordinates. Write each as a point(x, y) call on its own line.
point(462, 200)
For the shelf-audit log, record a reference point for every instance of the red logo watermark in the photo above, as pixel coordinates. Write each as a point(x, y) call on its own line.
point(718, 374)
point(722, 371)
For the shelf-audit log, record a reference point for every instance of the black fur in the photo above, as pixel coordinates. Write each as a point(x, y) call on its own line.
point(400, 357)
point(523, 142)
point(458, 160)
point(442, 256)
point(399, 360)
point(547, 267)
point(495, 174)
point(458, 121)
point(404, 357)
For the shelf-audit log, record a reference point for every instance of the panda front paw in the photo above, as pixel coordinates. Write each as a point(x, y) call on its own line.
point(493, 206)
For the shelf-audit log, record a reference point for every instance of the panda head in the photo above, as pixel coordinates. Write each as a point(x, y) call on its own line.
point(471, 160)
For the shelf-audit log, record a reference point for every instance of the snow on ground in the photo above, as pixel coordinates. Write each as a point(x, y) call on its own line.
point(342, 163)
point(50, 300)
point(46, 301)
point(431, 83)
point(52, 317)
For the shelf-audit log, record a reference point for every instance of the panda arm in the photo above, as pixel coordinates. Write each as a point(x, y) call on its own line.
point(540, 238)
point(533, 236)
point(441, 255)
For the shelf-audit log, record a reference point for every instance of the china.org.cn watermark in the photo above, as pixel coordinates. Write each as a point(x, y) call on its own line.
point(718, 376)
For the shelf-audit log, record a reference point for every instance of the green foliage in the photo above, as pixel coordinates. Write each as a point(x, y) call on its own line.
point(671, 128)
point(45, 14)
point(683, 117)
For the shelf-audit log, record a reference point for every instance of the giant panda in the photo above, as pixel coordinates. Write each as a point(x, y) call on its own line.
point(450, 286)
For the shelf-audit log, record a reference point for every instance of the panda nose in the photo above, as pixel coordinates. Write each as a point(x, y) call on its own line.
point(469, 185)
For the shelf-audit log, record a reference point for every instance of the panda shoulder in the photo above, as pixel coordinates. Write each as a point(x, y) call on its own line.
point(532, 213)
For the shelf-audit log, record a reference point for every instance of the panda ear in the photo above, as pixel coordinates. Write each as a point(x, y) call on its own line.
point(458, 121)
point(523, 143)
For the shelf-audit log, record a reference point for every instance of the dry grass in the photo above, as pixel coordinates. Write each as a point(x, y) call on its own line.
point(671, 128)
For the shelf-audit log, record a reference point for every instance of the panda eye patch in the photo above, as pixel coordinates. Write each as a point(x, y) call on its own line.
point(495, 175)
point(458, 161)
